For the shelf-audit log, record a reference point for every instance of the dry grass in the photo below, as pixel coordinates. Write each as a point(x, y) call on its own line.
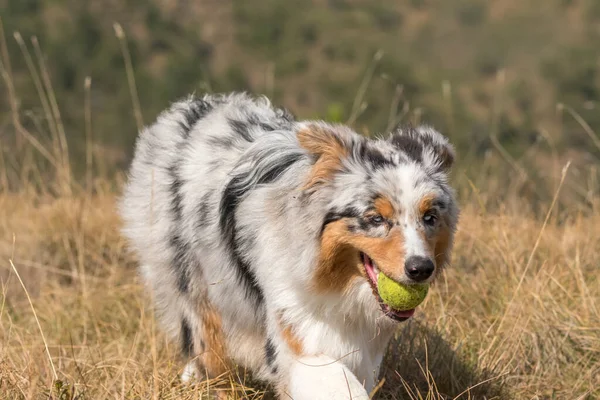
point(517, 316)
point(479, 333)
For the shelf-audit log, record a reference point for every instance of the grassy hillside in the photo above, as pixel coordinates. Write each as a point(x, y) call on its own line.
point(469, 66)
point(514, 84)
point(516, 317)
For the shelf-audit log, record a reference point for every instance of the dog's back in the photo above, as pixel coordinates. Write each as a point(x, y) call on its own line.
point(174, 207)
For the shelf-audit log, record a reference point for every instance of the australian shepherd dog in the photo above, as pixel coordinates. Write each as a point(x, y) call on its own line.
point(261, 238)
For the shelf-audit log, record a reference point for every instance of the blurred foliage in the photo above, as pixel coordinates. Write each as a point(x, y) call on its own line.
point(470, 67)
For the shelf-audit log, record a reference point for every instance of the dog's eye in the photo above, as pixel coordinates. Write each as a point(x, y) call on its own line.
point(376, 219)
point(429, 219)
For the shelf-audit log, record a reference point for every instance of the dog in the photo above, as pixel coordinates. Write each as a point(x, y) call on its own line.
point(261, 238)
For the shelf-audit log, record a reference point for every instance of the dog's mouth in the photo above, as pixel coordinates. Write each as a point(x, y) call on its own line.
point(372, 273)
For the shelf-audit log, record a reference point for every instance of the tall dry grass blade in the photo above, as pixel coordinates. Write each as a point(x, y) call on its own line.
point(347, 384)
point(358, 106)
point(4, 50)
point(496, 114)
point(5, 285)
point(6, 60)
point(154, 355)
point(447, 96)
point(270, 80)
point(477, 193)
point(407, 388)
point(57, 271)
point(27, 165)
point(88, 135)
point(137, 109)
point(507, 157)
point(417, 115)
point(582, 122)
point(468, 390)
point(14, 108)
point(377, 388)
point(65, 171)
point(393, 114)
point(330, 362)
point(554, 153)
point(4, 176)
point(55, 375)
point(37, 83)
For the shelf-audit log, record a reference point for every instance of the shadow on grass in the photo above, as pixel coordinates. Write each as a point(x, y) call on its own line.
point(420, 363)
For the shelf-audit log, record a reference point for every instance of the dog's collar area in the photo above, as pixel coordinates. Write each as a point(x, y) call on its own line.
point(372, 273)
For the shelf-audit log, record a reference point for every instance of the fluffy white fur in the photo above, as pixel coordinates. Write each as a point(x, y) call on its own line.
point(229, 239)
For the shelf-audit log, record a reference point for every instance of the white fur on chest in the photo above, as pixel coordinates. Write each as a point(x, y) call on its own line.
point(360, 351)
point(341, 332)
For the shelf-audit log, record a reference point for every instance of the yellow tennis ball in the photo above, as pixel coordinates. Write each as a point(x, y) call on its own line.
point(400, 297)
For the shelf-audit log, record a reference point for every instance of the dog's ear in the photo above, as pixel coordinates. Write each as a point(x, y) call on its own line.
point(425, 145)
point(329, 147)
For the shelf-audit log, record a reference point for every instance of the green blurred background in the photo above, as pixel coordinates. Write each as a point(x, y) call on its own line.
point(478, 70)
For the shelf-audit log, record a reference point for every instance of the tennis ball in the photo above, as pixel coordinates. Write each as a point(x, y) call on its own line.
point(400, 297)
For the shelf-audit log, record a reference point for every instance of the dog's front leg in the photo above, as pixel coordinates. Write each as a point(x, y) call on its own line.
point(320, 377)
point(300, 374)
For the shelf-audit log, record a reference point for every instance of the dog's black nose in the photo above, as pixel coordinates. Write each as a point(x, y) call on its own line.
point(419, 268)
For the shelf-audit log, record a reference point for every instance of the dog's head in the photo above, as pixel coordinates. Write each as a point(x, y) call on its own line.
point(389, 207)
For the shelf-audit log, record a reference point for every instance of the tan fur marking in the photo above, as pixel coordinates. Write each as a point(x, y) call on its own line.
point(213, 358)
point(339, 260)
point(324, 144)
point(387, 253)
point(425, 204)
point(441, 246)
point(290, 338)
point(384, 207)
point(429, 240)
point(439, 242)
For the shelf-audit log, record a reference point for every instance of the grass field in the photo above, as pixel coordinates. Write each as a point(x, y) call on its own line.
point(516, 317)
